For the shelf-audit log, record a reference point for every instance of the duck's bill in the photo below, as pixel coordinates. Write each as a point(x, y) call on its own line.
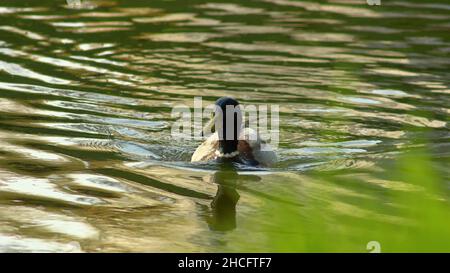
point(210, 127)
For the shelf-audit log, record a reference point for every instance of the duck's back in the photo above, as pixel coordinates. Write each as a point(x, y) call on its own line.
point(250, 146)
point(253, 147)
point(207, 150)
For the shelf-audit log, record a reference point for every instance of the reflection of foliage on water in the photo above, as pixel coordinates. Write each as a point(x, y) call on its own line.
point(405, 208)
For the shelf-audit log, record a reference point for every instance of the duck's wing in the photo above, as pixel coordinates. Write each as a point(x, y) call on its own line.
point(206, 151)
point(252, 147)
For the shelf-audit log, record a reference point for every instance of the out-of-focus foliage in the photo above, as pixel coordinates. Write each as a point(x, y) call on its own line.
point(412, 216)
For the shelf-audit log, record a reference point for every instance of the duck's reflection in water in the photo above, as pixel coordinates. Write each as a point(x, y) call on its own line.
point(223, 206)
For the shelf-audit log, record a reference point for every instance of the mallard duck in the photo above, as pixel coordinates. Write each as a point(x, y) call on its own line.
point(229, 141)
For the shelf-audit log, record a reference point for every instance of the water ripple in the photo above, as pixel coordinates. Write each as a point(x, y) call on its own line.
point(87, 162)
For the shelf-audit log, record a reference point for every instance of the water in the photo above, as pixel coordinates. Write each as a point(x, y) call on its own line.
point(87, 162)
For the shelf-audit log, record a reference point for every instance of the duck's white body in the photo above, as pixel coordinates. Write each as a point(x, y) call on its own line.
point(249, 148)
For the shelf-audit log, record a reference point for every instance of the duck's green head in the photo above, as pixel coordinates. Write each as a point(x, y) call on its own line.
point(227, 122)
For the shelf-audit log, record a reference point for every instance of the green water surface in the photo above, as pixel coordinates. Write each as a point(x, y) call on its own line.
point(87, 161)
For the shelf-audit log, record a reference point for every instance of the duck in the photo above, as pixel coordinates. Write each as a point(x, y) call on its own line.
point(230, 141)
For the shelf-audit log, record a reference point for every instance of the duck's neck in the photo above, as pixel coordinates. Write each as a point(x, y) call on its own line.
point(228, 147)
